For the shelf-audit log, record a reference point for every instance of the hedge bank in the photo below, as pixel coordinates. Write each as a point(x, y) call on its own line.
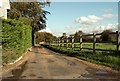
point(16, 38)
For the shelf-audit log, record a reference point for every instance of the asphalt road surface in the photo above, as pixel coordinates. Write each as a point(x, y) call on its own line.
point(45, 64)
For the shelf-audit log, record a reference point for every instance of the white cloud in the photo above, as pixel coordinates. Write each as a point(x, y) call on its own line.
point(107, 10)
point(57, 33)
point(99, 28)
point(89, 20)
point(45, 30)
point(87, 29)
point(68, 27)
point(113, 27)
point(109, 16)
point(70, 30)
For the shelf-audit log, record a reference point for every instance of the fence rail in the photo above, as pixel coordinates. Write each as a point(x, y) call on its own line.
point(61, 42)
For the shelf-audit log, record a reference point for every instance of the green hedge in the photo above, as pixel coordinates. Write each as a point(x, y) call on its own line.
point(16, 38)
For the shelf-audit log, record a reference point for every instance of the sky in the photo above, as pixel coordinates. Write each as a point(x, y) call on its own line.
point(84, 0)
point(89, 17)
point(66, 0)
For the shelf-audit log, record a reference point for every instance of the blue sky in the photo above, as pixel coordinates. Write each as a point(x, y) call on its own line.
point(89, 17)
point(84, 0)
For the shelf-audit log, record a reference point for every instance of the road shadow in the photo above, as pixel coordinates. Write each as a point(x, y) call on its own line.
point(16, 73)
point(102, 75)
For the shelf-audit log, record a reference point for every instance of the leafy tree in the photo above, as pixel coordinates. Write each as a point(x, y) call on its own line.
point(44, 37)
point(31, 10)
point(63, 37)
point(87, 39)
point(77, 36)
point(106, 37)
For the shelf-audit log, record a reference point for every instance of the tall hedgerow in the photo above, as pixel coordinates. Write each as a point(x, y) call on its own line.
point(16, 38)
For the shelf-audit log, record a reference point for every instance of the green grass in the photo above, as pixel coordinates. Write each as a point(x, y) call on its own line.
point(107, 46)
point(104, 46)
point(87, 45)
point(104, 58)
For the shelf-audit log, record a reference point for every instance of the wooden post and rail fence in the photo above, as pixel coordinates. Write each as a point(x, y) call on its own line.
point(63, 42)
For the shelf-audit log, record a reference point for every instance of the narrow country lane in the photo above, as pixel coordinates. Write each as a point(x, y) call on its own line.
point(45, 64)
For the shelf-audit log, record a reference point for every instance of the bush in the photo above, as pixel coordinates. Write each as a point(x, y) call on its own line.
point(106, 37)
point(16, 38)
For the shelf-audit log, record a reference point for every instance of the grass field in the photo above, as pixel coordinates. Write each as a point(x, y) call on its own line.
point(104, 46)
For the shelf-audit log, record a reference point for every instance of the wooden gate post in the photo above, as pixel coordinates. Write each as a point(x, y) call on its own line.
point(56, 42)
point(94, 42)
point(67, 43)
point(62, 42)
point(59, 42)
point(80, 42)
point(117, 42)
point(72, 42)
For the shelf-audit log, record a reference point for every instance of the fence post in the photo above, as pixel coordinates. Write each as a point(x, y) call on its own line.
point(67, 42)
point(59, 42)
point(72, 42)
point(117, 42)
point(56, 42)
point(80, 42)
point(62, 42)
point(94, 42)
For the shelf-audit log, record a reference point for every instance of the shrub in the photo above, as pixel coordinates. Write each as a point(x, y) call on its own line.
point(106, 37)
point(16, 38)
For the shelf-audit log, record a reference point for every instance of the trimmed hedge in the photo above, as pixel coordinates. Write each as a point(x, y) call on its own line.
point(16, 38)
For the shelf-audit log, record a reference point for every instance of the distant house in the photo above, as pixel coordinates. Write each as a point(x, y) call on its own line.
point(4, 6)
